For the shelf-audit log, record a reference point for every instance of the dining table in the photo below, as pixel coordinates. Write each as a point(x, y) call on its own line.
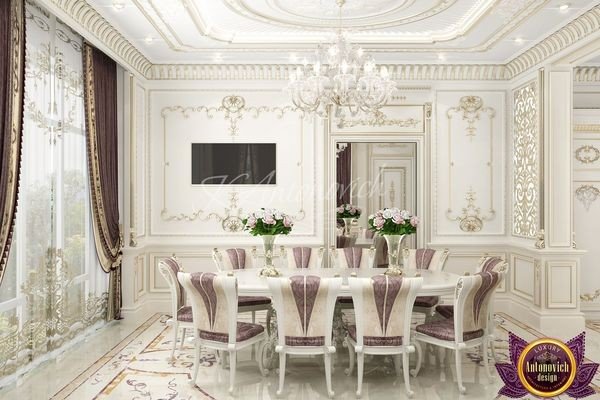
point(435, 283)
point(250, 283)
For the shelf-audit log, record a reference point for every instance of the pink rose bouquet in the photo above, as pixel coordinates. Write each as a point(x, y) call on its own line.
point(393, 221)
point(267, 222)
point(348, 211)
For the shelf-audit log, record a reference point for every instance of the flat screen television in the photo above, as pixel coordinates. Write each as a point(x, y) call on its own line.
point(234, 164)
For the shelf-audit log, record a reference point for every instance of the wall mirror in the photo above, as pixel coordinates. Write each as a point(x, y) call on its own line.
point(372, 176)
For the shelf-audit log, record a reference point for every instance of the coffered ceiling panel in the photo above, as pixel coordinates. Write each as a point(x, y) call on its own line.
point(280, 31)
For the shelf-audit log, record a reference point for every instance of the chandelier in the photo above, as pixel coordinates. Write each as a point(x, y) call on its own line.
point(341, 75)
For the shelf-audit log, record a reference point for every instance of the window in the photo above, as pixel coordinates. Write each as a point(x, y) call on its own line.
point(53, 286)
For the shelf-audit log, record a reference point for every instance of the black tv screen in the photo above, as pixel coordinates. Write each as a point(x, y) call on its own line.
point(234, 164)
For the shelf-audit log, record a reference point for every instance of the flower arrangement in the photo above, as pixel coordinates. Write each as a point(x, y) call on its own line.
point(393, 221)
point(348, 211)
point(267, 222)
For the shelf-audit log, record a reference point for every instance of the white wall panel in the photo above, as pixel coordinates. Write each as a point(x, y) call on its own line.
point(469, 171)
point(202, 212)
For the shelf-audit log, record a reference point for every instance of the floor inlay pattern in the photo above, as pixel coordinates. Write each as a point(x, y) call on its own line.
point(139, 368)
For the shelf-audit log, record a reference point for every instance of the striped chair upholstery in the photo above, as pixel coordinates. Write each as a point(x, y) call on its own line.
point(433, 260)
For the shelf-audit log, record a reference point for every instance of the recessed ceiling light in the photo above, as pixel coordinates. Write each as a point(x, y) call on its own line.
point(149, 39)
point(218, 57)
point(563, 7)
point(293, 58)
point(519, 40)
point(118, 4)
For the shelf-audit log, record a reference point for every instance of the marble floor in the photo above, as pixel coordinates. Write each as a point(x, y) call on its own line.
point(130, 360)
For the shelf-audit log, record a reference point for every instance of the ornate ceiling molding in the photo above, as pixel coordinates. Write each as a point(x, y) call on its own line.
point(387, 42)
point(587, 74)
point(425, 72)
point(89, 20)
point(576, 30)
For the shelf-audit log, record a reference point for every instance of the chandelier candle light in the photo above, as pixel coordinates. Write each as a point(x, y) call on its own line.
point(394, 225)
point(268, 223)
point(341, 75)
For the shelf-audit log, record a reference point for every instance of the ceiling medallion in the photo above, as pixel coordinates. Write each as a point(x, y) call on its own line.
point(343, 76)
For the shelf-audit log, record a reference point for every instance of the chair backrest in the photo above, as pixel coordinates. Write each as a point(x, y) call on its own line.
point(214, 303)
point(304, 306)
point(472, 300)
point(168, 268)
point(353, 257)
point(433, 260)
point(342, 241)
point(383, 309)
point(304, 257)
point(487, 264)
point(235, 258)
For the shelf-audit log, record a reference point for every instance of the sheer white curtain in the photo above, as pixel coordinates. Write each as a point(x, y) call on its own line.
point(54, 288)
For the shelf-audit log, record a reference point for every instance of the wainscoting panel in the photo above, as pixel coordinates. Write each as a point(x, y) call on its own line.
point(139, 280)
point(561, 288)
point(586, 202)
point(469, 170)
point(190, 262)
point(524, 277)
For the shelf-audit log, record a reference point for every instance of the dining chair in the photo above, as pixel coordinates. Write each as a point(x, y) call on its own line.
point(214, 301)
point(351, 257)
point(181, 314)
point(486, 264)
point(237, 258)
point(304, 306)
point(429, 259)
point(303, 257)
point(469, 326)
point(383, 310)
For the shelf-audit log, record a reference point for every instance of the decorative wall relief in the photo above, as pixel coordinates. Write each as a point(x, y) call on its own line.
point(231, 219)
point(587, 194)
point(471, 219)
point(379, 119)
point(589, 297)
point(526, 169)
point(587, 154)
point(470, 109)
point(393, 118)
point(183, 208)
point(233, 109)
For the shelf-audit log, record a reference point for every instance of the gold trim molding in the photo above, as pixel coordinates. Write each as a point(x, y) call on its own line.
point(587, 194)
point(471, 220)
point(233, 108)
point(588, 128)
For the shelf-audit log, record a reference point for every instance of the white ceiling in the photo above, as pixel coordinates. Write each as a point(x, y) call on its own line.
point(283, 31)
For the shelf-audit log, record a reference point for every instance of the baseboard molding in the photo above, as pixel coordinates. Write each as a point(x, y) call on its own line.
point(590, 310)
point(562, 324)
point(148, 304)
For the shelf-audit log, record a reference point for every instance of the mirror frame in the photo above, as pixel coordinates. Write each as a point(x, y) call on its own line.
point(422, 177)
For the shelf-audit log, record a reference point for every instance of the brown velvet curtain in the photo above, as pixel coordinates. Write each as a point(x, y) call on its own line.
point(12, 73)
point(102, 142)
point(344, 175)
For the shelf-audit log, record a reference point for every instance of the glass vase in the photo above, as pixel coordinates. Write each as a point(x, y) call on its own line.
point(347, 225)
point(269, 248)
point(394, 246)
